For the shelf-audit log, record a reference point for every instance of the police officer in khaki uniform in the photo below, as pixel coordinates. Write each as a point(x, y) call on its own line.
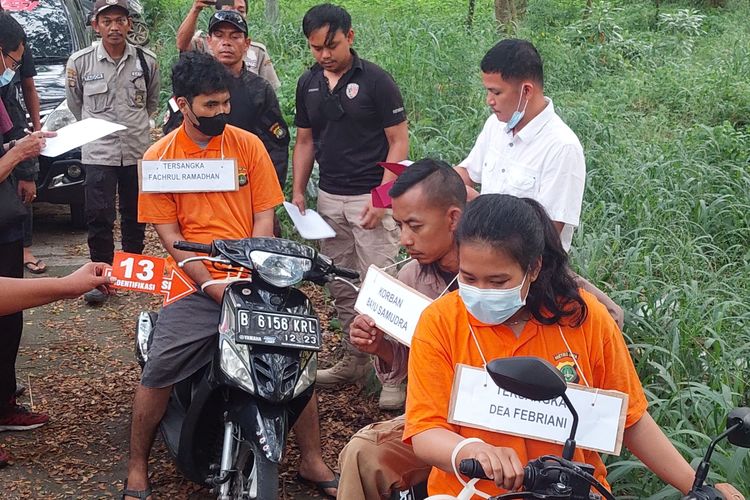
point(257, 59)
point(118, 82)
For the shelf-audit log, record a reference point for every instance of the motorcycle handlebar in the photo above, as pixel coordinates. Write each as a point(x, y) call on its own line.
point(345, 273)
point(189, 246)
point(470, 467)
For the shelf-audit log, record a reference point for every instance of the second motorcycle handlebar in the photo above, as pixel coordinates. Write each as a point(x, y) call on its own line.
point(189, 246)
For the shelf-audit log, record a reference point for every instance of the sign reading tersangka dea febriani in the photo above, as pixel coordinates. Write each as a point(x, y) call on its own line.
point(187, 175)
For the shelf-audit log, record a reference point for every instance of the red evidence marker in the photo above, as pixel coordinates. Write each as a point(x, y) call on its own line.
point(145, 273)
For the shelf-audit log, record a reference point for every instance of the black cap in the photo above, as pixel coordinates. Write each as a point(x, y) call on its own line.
point(228, 16)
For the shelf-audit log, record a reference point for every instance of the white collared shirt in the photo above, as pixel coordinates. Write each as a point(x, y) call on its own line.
point(543, 161)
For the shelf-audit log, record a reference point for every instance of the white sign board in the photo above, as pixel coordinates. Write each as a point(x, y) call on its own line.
point(192, 175)
point(477, 402)
point(77, 134)
point(310, 226)
point(394, 307)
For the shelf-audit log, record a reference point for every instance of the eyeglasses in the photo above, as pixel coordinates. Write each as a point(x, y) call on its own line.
point(108, 21)
point(16, 63)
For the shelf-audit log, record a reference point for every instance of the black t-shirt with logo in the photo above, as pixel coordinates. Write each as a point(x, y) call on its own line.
point(348, 124)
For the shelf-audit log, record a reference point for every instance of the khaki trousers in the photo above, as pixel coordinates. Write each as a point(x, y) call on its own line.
point(375, 462)
point(354, 247)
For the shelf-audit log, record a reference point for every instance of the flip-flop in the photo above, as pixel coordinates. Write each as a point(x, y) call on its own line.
point(36, 269)
point(139, 494)
point(322, 486)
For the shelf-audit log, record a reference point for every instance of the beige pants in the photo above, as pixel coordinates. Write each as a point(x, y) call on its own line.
point(354, 247)
point(375, 462)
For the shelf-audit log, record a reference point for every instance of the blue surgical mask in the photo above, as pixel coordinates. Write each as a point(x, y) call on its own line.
point(7, 75)
point(517, 115)
point(491, 306)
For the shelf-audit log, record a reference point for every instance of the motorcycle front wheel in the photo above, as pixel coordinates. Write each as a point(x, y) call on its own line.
point(255, 477)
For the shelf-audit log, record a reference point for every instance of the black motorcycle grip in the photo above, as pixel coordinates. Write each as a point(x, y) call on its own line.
point(189, 246)
point(346, 273)
point(470, 467)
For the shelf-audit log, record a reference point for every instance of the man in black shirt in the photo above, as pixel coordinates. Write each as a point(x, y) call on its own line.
point(350, 116)
point(254, 106)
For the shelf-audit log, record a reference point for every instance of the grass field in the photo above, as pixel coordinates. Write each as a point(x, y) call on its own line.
point(661, 103)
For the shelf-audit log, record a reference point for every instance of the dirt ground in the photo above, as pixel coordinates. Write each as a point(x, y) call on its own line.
point(78, 363)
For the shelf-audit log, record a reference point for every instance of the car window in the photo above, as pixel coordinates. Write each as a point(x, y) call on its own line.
point(47, 27)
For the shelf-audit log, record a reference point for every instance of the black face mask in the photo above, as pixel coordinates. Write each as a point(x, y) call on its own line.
point(211, 125)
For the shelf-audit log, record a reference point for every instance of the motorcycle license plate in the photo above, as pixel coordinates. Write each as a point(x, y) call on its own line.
point(278, 329)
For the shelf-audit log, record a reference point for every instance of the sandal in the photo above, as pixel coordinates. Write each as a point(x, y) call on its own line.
point(139, 494)
point(37, 267)
point(322, 486)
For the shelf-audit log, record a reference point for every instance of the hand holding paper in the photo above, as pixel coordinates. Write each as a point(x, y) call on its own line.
point(310, 226)
point(77, 134)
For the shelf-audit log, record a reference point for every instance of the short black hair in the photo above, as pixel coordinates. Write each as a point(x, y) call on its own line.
point(198, 73)
point(326, 14)
point(515, 60)
point(441, 185)
point(11, 33)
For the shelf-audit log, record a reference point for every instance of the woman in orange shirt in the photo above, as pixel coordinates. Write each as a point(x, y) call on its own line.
point(517, 297)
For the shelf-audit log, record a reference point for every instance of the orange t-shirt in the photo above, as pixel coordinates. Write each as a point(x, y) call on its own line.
point(204, 217)
point(442, 340)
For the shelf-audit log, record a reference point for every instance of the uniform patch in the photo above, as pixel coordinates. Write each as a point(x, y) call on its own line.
point(136, 74)
point(568, 370)
point(398, 110)
point(93, 76)
point(242, 177)
point(277, 131)
point(111, 2)
point(72, 77)
point(140, 98)
point(352, 90)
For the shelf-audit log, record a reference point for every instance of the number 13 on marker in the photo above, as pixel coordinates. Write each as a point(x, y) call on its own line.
point(144, 269)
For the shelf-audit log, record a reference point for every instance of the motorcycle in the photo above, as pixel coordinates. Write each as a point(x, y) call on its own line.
point(227, 424)
point(560, 478)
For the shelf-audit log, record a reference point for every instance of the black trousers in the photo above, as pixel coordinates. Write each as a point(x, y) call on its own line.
point(103, 184)
point(11, 326)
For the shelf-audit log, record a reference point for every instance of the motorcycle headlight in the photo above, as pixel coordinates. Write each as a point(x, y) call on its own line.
point(307, 377)
point(233, 366)
point(59, 118)
point(280, 270)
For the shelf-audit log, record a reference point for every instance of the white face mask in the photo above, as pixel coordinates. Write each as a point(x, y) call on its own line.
point(489, 305)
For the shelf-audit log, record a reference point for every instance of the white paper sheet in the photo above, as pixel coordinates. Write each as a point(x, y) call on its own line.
point(77, 134)
point(310, 226)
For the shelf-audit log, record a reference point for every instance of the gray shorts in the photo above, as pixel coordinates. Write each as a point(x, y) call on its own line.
point(185, 338)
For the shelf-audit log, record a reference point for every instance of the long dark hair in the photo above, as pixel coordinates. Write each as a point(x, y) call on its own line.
point(522, 228)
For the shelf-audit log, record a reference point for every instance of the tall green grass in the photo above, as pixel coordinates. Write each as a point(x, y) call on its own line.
point(662, 107)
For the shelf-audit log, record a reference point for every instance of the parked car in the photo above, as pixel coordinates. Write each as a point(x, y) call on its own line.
point(55, 29)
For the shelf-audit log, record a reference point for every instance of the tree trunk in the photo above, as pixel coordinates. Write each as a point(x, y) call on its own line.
point(272, 11)
point(470, 15)
point(503, 13)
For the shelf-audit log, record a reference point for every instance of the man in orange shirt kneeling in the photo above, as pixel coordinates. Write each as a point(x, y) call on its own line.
point(186, 331)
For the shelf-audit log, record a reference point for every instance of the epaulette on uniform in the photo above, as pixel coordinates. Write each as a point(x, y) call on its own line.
point(82, 52)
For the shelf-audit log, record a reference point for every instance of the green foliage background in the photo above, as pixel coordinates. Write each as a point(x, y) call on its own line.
point(661, 103)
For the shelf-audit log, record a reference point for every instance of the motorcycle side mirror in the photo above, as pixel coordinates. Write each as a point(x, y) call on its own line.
point(536, 379)
point(529, 377)
point(739, 418)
